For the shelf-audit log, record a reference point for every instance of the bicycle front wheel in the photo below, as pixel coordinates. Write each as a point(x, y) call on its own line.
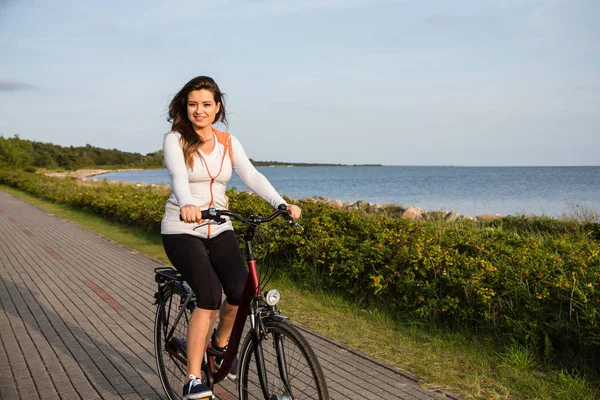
point(292, 370)
point(170, 351)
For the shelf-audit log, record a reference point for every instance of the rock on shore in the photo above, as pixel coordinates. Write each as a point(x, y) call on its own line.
point(406, 212)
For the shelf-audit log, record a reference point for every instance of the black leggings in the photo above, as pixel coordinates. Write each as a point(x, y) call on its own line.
point(206, 264)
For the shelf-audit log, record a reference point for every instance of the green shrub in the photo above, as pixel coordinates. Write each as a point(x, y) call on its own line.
point(121, 203)
point(534, 281)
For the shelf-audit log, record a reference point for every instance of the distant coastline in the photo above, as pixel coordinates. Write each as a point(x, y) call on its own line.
point(300, 164)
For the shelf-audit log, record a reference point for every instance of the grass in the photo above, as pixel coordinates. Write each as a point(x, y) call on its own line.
point(581, 213)
point(517, 355)
point(457, 362)
point(471, 366)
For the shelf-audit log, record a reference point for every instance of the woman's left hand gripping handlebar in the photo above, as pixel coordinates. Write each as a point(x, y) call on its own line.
point(294, 211)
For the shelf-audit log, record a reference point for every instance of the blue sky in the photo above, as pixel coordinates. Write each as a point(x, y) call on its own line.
point(414, 82)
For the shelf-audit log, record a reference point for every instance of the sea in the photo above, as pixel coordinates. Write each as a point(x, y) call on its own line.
point(551, 191)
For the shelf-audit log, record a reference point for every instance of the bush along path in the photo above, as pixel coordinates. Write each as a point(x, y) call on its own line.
point(528, 280)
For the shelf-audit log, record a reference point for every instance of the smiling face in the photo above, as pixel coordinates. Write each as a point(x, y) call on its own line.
point(202, 108)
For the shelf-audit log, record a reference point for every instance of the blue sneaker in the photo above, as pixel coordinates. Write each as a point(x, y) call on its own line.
point(196, 389)
point(232, 375)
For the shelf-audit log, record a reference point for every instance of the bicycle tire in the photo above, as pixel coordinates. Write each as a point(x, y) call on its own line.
point(172, 372)
point(303, 369)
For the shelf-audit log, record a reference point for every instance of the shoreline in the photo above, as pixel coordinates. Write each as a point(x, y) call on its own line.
point(87, 173)
point(398, 210)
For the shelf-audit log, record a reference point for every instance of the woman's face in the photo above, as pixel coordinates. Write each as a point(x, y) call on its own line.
point(201, 108)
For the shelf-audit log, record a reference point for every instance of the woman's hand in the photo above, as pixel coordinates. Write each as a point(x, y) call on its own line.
point(294, 211)
point(191, 213)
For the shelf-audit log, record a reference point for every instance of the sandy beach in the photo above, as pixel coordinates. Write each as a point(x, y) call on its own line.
point(86, 173)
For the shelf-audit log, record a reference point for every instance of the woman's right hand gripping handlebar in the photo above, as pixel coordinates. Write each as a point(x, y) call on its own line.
point(191, 213)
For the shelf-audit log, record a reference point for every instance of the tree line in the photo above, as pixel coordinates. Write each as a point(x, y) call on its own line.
point(21, 153)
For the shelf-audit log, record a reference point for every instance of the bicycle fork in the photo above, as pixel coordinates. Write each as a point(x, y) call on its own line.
point(258, 330)
point(282, 363)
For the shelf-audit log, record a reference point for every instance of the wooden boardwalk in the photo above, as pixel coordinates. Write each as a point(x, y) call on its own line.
point(76, 321)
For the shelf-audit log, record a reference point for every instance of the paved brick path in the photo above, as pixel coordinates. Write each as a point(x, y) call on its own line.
point(76, 320)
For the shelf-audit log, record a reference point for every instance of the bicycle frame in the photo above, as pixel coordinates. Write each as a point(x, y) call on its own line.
point(249, 306)
point(252, 305)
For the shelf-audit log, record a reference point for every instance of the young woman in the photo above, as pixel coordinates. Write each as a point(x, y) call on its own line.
point(200, 160)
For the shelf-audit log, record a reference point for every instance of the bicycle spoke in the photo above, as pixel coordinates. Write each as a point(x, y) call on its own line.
point(171, 334)
point(291, 368)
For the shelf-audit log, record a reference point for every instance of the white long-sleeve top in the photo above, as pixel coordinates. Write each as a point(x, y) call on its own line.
point(193, 185)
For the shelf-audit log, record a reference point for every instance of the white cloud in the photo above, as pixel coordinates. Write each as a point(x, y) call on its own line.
point(7, 85)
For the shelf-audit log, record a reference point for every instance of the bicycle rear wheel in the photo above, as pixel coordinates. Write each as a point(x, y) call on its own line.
point(171, 356)
point(291, 367)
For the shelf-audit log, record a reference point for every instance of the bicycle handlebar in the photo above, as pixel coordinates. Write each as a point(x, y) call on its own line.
point(217, 216)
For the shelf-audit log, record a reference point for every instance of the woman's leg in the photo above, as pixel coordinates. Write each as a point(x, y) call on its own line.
point(226, 320)
point(189, 256)
point(228, 263)
point(198, 334)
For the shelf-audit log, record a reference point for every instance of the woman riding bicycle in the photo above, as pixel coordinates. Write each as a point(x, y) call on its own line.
point(200, 160)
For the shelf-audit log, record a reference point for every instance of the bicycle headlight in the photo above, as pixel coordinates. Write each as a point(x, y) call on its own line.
point(272, 297)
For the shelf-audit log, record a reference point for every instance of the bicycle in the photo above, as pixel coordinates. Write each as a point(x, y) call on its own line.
point(276, 362)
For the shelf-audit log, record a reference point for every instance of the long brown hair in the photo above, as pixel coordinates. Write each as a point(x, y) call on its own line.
point(190, 141)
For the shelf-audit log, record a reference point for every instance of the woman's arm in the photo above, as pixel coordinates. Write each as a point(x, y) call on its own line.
point(189, 211)
point(177, 169)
